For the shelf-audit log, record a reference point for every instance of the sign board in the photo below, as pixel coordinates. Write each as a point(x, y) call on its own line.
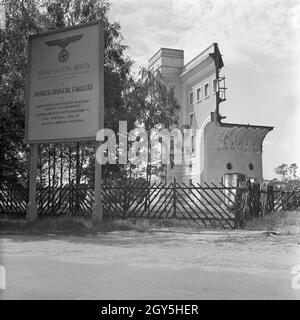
point(65, 84)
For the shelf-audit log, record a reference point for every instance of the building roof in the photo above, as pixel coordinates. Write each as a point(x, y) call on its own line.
point(211, 51)
point(224, 124)
point(167, 52)
point(241, 137)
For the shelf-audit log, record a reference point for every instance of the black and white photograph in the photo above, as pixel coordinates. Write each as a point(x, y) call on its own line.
point(149, 152)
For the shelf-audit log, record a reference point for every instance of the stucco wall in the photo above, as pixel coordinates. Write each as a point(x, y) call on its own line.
point(193, 80)
point(216, 159)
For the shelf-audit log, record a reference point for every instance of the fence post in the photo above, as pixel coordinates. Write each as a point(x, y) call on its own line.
point(174, 198)
point(237, 208)
point(125, 195)
point(271, 197)
point(256, 205)
point(72, 198)
point(263, 198)
point(146, 200)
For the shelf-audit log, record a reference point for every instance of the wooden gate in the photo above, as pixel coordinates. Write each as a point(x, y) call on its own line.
point(206, 205)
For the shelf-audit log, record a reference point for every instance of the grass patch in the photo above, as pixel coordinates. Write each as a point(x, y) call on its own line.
point(80, 226)
point(283, 222)
point(68, 226)
point(119, 225)
point(62, 225)
point(142, 224)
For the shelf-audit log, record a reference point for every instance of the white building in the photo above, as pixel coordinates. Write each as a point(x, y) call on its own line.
point(218, 149)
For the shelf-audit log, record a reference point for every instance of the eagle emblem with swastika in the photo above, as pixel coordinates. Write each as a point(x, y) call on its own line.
point(63, 54)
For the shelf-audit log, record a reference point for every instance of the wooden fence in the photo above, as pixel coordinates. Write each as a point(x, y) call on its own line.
point(208, 205)
point(255, 200)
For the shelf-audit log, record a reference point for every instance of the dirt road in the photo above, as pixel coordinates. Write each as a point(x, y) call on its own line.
point(150, 265)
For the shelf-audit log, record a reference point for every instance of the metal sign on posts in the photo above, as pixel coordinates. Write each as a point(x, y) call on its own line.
point(65, 98)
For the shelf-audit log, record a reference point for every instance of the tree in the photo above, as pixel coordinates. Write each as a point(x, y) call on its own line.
point(29, 17)
point(147, 103)
point(287, 172)
point(154, 101)
point(13, 59)
point(282, 171)
point(143, 100)
point(293, 171)
point(154, 105)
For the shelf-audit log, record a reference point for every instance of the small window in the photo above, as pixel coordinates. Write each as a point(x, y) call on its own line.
point(191, 97)
point(191, 120)
point(198, 94)
point(192, 127)
point(251, 166)
point(214, 86)
point(229, 166)
point(206, 88)
point(193, 144)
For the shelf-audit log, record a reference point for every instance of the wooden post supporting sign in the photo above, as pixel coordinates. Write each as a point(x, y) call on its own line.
point(31, 213)
point(98, 208)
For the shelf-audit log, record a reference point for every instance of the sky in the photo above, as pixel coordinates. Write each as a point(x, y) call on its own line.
point(260, 44)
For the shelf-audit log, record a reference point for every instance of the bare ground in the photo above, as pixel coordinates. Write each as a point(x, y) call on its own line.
point(156, 264)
